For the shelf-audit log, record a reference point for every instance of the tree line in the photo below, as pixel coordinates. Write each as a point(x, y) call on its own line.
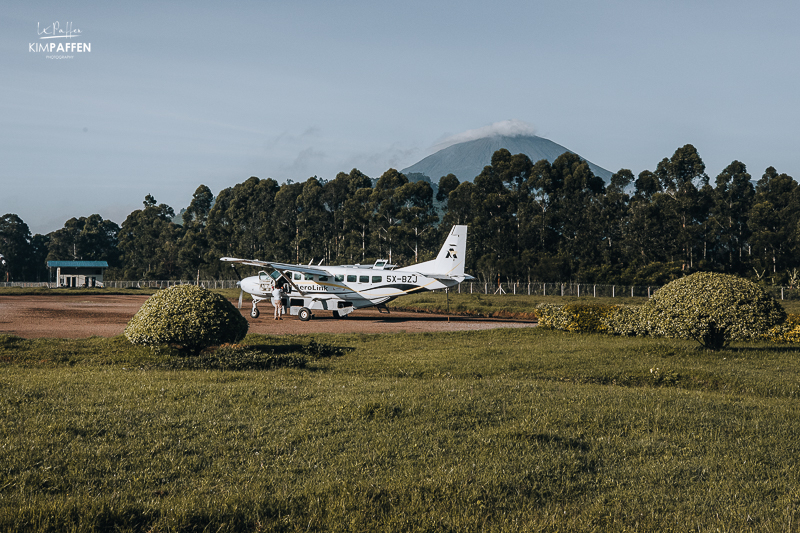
point(528, 221)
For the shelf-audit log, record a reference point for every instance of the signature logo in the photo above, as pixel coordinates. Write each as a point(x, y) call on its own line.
point(451, 254)
point(55, 31)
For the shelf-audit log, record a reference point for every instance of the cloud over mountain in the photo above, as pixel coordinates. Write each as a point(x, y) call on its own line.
point(504, 128)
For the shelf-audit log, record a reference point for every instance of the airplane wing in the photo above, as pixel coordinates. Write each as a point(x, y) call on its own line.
point(459, 279)
point(317, 271)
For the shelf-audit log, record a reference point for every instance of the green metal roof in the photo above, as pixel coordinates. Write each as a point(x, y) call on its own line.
point(77, 264)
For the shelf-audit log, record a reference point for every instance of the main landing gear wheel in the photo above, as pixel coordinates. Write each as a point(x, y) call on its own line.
point(304, 314)
point(254, 313)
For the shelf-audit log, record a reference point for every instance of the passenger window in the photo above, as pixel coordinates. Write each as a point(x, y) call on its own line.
point(363, 279)
point(323, 278)
point(339, 277)
point(309, 277)
point(376, 279)
point(351, 278)
point(297, 276)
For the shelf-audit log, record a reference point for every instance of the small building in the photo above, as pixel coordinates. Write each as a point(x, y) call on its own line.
point(78, 273)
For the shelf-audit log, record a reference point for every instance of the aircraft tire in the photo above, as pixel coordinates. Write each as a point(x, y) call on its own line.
point(304, 314)
point(254, 313)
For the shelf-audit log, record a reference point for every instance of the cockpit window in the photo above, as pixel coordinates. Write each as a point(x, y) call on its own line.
point(263, 276)
point(275, 275)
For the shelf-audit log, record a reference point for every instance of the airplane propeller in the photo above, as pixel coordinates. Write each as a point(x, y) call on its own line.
point(239, 283)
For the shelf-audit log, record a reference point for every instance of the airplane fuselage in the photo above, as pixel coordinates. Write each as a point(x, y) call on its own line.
point(342, 289)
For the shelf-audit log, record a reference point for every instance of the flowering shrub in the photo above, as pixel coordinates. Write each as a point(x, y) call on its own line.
point(789, 331)
point(186, 315)
point(577, 318)
point(625, 320)
point(711, 308)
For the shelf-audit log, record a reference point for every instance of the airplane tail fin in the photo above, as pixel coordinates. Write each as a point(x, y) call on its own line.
point(450, 261)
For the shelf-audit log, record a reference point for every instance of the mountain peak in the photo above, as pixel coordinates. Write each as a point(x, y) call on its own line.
point(466, 159)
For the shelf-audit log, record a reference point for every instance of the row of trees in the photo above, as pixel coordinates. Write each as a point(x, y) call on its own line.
point(527, 221)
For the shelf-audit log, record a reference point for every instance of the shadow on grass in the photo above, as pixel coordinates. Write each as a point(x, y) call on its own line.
point(773, 349)
point(254, 357)
point(561, 442)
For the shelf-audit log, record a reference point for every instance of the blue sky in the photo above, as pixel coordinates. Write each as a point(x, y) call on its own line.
point(175, 94)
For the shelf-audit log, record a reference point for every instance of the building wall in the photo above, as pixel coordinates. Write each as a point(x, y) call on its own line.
point(79, 277)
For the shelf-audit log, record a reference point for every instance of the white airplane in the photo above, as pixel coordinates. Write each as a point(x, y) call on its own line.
point(342, 289)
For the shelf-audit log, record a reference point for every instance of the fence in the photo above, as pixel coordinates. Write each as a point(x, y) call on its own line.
point(558, 289)
point(589, 290)
point(163, 284)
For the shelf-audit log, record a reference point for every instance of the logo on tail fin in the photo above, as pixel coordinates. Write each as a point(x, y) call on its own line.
point(451, 254)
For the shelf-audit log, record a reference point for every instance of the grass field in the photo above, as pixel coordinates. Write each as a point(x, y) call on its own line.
point(500, 430)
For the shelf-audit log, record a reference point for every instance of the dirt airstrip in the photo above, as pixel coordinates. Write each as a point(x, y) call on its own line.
point(80, 316)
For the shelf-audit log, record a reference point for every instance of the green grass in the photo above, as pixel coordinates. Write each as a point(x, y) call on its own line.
point(500, 430)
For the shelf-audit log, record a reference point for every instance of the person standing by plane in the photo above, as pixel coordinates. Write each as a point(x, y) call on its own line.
point(277, 294)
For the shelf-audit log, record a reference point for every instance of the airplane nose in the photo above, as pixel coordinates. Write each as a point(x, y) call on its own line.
point(249, 285)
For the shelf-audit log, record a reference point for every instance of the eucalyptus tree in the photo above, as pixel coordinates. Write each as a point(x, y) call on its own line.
point(284, 230)
point(447, 184)
point(86, 238)
point(148, 240)
point(15, 247)
point(733, 195)
point(243, 222)
point(494, 225)
point(613, 214)
point(773, 220)
point(343, 200)
point(387, 202)
point(194, 254)
point(682, 176)
point(580, 205)
point(314, 223)
point(418, 219)
point(648, 235)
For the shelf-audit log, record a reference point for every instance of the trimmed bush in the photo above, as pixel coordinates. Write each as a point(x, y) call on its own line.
point(712, 309)
point(625, 320)
point(577, 318)
point(189, 316)
point(789, 331)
